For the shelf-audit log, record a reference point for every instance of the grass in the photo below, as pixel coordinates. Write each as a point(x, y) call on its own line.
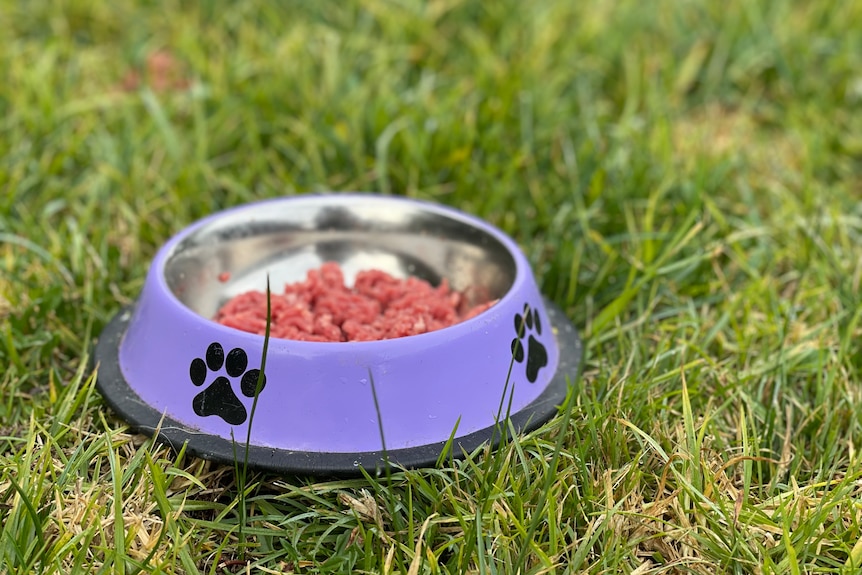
point(241, 472)
point(683, 176)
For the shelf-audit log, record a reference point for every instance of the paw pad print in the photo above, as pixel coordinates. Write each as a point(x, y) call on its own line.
point(526, 325)
point(219, 398)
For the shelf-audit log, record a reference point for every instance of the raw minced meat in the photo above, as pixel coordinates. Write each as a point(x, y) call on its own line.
point(378, 306)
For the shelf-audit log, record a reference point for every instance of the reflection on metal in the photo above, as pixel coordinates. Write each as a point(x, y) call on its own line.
point(287, 240)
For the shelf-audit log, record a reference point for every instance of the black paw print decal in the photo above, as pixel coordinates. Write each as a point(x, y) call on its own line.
point(537, 356)
point(219, 398)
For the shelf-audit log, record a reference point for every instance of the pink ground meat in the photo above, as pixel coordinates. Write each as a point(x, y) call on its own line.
point(377, 307)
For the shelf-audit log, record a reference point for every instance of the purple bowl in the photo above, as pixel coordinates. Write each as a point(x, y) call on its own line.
point(166, 367)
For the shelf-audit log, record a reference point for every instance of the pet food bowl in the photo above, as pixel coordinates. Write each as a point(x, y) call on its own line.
point(166, 367)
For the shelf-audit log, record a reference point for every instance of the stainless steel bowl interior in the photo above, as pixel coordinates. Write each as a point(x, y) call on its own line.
point(286, 239)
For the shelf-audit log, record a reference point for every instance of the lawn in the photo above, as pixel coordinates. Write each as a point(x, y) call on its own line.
point(684, 177)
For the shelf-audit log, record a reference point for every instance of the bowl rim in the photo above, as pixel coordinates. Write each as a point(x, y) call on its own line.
point(168, 250)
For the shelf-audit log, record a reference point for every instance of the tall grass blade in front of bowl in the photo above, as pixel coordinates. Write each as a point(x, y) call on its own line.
point(493, 459)
point(387, 467)
point(242, 471)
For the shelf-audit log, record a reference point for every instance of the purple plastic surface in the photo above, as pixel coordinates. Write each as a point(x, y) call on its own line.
point(318, 396)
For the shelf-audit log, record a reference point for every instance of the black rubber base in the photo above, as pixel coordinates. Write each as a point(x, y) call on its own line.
point(147, 420)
